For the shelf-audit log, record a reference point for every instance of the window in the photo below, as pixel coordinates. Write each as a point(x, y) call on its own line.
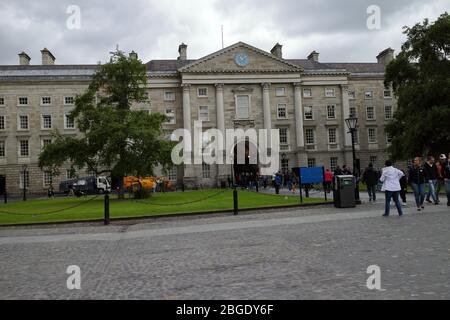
point(352, 94)
point(280, 91)
point(70, 173)
point(23, 122)
point(48, 179)
point(2, 149)
point(203, 113)
point(387, 93)
point(23, 148)
point(23, 101)
point(2, 123)
point(202, 92)
point(370, 113)
point(307, 93)
point(332, 138)
point(387, 112)
point(172, 174)
point(27, 179)
point(46, 142)
point(46, 121)
point(284, 138)
point(206, 171)
point(309, 113)
point(368, 95)
point(353, 112)
point(329, 93)
point(284, 165)
point(311, 163)
point(68, 101)
point(333, 163)
point(45, 101)
point(356, 136)
point(68, 122)
point(169, 96)
point(309, 137)
point(388, 138)
point(281, 111)
point(373, 160)
point(331, 112)
point(2, 101)
point(242, 106)
point(372, 135)
point(170, 114)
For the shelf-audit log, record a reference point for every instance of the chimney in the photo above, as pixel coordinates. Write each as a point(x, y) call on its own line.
point(182, 50)
point(314, 56)
point(385, 56)
point(133, 55)
point(277, 51)
point(24, 59)
point(47, 57)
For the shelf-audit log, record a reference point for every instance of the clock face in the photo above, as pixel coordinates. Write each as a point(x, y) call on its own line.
point(241, 59)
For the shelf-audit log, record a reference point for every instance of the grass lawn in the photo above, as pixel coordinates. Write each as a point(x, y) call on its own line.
point(89, 208)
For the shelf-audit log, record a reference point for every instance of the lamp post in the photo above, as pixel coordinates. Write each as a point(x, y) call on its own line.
point(24, 181)
point(352, 123)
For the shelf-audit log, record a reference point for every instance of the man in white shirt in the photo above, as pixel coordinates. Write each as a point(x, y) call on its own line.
point(391, 184)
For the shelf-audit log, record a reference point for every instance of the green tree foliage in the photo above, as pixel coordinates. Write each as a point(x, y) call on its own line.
point(114, 138)
point(420, 76)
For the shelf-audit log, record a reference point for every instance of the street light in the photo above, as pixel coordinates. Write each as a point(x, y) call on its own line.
point(352, 123)
point(24, 181)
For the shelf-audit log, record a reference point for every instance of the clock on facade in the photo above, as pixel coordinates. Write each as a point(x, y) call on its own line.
point(241, 59)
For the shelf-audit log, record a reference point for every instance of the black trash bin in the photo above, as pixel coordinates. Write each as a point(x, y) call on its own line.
point(344, 191)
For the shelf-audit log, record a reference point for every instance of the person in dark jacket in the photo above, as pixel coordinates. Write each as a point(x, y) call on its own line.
point(447, 178)
point(431, 176)
point(416, 178)
point(370, 178)
point(404, 186)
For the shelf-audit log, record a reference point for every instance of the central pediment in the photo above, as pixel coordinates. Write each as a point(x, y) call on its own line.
point(240, 58)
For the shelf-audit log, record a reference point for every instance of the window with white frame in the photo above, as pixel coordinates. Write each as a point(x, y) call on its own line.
point(309, 113)
point(23, 122)
point(311, 162)
point(281, 111)
point(387, 93)
point(284, 165)
point(331, 111)
point(68, 122)
point(368, 95)
point(352, 94)
point(46, 142)
point(307, 93)
point(284, 136)
point(69, 101)
point(170, 114)
point(2, 101)
point(329, 93)
point(372, 135)
point(280, 91)
point(169, 96)
point(356, 136)
point(46, 121)
point(2, 122)
point(23, 101)
point(2, 149)
point(48, 178)
point(373, 160)
point(332, 136)
point(24, 148)
point(309, 137)
point(45, 101)
point(206, 171)
point(203, 113)
point(333, 163)
point(387, 112)
point(242, 106)
point(353, 112)
point(172, 174)
point(388, 138)
point(370, 113)
point(25, 174)
point(202, 92)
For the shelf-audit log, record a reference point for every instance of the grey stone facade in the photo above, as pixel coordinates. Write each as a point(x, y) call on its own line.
point(267, 78)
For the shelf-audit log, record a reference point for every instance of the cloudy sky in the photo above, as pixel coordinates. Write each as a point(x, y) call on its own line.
point(155, 28)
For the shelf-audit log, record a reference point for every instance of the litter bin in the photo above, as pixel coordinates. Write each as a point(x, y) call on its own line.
point(344, 192)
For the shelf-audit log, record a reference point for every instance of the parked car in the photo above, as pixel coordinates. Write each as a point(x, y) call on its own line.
point(86, 185)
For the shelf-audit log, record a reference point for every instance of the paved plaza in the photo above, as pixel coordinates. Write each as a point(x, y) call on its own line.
point(314, 253)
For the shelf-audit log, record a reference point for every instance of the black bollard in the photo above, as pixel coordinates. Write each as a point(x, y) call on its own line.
point(235, 201)
point(106, 220)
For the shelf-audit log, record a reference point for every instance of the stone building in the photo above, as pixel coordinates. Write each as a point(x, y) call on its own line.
point(237, 87)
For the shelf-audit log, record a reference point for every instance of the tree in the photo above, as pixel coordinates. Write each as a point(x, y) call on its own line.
point(420, 77)
point(114, 138)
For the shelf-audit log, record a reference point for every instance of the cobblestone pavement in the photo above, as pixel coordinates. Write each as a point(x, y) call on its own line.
point(315, 253)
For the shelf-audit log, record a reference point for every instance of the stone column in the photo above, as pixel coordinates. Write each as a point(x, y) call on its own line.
point(266, 108)
point(189, 171)
point(223, 169)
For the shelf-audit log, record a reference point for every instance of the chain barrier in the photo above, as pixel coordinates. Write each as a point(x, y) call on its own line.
point(49, 212)
point(182, 203)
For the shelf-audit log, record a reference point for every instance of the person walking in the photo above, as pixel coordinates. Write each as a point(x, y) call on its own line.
point(404, 186)
point(447, 178)
point(328, 180)
point(370, 178)
point(391, 182)
point(278, 182)
point(431, 175)
point(440, 166)
point(416, 178)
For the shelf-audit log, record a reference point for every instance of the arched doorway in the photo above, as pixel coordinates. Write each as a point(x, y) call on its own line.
point(246, 163)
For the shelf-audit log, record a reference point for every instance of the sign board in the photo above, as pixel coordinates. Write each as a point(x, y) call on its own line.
point(311, 175)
